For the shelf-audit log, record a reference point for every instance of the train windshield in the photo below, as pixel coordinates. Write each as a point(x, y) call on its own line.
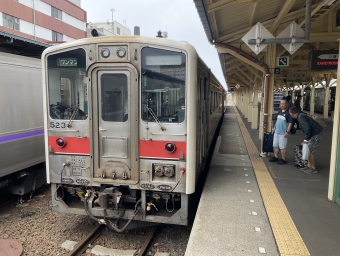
point(163, 86)
point(67, 85)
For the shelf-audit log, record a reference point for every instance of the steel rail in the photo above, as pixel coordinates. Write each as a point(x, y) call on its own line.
point(143, 251)
point(82, 245)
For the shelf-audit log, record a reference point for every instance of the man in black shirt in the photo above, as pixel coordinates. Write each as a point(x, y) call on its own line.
point(313, 132)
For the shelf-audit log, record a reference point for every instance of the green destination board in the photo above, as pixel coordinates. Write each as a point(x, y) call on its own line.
point(67, 62)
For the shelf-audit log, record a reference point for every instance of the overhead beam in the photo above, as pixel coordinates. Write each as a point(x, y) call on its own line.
point(237, 81)
point(242, 79)
point(255, 72)
point(240, 57)
point(246, 75)
point(298, 62)
point(325, 37)
point(252, 15)
point(220, 4)
point(290, 16)
point(285, 9)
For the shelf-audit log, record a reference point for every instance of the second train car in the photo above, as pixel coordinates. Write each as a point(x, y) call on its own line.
point(129, 121)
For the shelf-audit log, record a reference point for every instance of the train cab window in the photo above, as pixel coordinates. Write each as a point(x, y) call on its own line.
point(163, 86)
point(67, 85)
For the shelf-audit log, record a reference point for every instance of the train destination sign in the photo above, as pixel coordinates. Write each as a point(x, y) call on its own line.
point(323, 60)
point(67, 62)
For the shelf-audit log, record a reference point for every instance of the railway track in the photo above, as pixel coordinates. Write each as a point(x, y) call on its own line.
point(98, 230)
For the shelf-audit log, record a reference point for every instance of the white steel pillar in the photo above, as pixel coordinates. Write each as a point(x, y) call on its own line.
point(312, 96)
point(250, 104)
point(326, 105)
point(246, 102)
point(254, 118)
point(302, 99)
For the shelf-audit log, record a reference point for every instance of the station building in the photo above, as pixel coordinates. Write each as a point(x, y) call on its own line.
point(108, 28)
point(47, 21)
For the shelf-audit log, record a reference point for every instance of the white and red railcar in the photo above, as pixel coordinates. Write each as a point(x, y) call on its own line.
point(129, 122)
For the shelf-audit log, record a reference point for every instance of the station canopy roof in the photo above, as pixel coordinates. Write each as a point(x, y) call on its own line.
point(15, 44)
point(228, 21)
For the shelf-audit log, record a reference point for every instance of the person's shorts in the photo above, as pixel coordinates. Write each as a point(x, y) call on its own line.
point(314, 142)
point(279, 141)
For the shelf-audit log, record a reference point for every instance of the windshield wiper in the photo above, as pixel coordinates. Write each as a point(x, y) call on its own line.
point(74, 113)
point(156, 119)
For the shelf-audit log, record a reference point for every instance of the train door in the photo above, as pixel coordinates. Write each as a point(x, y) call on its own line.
point(115, 125)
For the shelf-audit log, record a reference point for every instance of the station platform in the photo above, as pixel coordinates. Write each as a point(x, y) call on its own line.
point(250, 206)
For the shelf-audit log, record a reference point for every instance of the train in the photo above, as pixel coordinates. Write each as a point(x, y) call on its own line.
point(22, 154)
point(129, 122)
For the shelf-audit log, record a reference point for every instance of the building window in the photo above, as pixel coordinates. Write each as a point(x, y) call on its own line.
point(56, 13)
point(10, 22)
point(118, 31)
point(57, 37)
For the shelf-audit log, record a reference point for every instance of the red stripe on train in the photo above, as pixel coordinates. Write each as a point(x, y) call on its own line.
point(74, 145)
point(156, 149)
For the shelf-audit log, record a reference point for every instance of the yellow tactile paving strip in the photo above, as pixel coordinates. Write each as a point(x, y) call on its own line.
point(286, 234)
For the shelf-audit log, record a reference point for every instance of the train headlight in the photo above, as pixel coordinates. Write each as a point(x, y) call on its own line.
point(61, 142)
point(105, 53)
point(121, 52)
point(170, 147)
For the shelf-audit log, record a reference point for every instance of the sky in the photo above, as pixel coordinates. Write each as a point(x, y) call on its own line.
point(178, 17)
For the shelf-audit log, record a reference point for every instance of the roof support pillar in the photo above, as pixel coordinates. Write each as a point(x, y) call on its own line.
point(271, 62)
point(328, 78)
point(334, 162)
point(312, 99)
point(255, 109)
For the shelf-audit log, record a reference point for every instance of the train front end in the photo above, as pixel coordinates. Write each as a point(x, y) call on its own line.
point(120, 142)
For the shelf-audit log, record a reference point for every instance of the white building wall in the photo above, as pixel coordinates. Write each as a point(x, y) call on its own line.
point(123, 30)
point(26, 27)
point(39, 6)
point(76, 2)
point(106, 28)
point(43, 33)
point(28, 3)
point(67, 38)
point(1, 22)
point(73, 21)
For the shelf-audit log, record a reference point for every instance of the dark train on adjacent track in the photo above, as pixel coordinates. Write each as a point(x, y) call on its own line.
point(129, 122)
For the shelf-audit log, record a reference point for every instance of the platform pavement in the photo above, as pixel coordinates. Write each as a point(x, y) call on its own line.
point(231, 219)
point(305, 195)
point(224, 223)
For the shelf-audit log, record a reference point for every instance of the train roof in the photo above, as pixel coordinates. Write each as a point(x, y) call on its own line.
point(128, 39)
point(123, 39)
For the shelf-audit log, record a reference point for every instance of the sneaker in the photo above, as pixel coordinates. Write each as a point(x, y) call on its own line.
point(311, 171)
point(304, 168)
point(281, 161)
point(273, 159)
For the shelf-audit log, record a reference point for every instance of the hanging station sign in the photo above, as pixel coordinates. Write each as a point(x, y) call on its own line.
point(323, 60)
point(298, 78)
